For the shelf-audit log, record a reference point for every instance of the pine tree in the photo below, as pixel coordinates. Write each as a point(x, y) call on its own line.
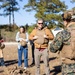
point(49, 10)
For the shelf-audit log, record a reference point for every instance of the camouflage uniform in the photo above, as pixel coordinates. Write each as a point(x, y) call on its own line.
point(68, 69)
point(58, 41)
point(65, 43)
point(56, 45)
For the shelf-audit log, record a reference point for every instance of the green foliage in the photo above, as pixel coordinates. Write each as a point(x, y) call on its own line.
point(49, 10)
point(6, 27)
point(30, 28)
point(9, 7)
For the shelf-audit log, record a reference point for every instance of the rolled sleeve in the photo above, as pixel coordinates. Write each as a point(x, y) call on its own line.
point(57, 43)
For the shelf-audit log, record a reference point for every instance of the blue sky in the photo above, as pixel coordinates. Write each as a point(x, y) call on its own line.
point(22, 17)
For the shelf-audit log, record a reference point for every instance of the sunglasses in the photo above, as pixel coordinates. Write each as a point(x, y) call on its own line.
point(64, 19)
point(40, 23)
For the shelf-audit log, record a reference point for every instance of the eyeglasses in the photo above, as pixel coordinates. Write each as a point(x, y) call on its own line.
point(40, 23)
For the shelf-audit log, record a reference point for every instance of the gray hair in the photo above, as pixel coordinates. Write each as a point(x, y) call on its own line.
point(40, 19)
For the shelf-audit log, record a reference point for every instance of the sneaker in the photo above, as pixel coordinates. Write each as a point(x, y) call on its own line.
point(25, 68)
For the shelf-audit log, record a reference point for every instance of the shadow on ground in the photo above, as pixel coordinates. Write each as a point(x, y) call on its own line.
point(56, 70)
point(11, 62)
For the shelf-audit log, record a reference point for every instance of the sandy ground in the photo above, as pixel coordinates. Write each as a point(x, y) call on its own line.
point(11, 59)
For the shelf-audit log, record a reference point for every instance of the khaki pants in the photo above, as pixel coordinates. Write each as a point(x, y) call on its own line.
point(38, 55)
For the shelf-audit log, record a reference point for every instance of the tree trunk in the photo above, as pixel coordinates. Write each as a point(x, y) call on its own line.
point(13, 18)
point(10, 21)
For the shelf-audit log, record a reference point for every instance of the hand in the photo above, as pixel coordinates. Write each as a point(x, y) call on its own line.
point(35, 37)
point(21, 39)
point(45, 36)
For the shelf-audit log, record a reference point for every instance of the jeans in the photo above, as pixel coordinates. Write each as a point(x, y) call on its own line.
point(20, 52)
point(2, 62)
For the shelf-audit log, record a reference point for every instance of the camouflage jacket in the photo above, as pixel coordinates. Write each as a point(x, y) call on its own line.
point(60, 39)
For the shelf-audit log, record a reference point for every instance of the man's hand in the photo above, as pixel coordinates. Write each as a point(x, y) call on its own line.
point(35, 37)
point(45, 36)
point(21, 39)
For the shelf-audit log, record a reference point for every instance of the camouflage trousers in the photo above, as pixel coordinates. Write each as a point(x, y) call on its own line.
point(68, 69)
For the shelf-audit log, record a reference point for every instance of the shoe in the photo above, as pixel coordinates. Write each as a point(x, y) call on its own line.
point(32, 64)
point(25, 68)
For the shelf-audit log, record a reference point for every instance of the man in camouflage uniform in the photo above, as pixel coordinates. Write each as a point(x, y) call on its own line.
point(61, 43)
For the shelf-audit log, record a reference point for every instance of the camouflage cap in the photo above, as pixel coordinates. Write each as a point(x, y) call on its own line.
point(72, 12)
point(69, 14)
point(66, 15)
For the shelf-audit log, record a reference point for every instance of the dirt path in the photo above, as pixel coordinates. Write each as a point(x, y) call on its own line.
point(10, 57)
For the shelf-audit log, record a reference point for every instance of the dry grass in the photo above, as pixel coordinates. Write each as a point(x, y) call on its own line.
point(8, 36)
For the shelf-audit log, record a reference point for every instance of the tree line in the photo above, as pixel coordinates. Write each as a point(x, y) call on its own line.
point(49, 10)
